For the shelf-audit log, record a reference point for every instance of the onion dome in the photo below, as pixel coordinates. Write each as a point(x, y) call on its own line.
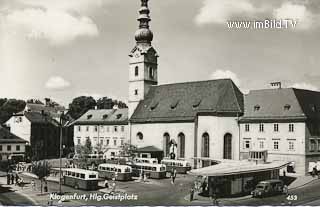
point(144, 34)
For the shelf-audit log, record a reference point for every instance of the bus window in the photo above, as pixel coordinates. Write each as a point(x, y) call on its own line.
point(73, 174)
point(127, 170)
point(154, 169)
point(119, 170)
point(82, 176)
point(108, 168)
point(162, 168)
point(77, 175)
point(92, 176)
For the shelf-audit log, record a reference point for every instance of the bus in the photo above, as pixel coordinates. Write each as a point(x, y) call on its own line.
point(157, 171)
point(81, 179)
point(146, 160)
point(119, 172)
point(181, 166)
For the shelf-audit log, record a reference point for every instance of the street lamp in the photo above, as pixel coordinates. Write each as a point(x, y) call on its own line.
point(60, 154)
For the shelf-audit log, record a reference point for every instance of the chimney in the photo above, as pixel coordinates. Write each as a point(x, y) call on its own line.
point(275, 85)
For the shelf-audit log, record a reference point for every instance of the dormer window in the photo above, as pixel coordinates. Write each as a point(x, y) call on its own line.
point(257, 107)
point(174, 104)
point(196, 103)
point(105, 116)
point(154, 105)
point(313, 107)
point(89, 116)
point(287, 107)
point(136, 71)
point(119, 116)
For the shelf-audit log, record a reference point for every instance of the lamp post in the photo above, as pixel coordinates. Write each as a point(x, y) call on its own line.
point(60, 154)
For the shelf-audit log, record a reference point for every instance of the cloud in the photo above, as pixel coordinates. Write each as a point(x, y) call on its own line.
point(58, 27)
point(306, 86)
point(57, 83)
point(299, 12)
point(222, 74)
point(216, 11)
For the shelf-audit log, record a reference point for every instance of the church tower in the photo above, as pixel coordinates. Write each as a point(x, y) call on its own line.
point(143, 60)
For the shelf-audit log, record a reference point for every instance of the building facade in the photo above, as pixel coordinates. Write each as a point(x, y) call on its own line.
point(284, 121)
point(107, 129)
point(12, 147)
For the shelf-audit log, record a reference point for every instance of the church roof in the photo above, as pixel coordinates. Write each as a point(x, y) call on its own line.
point(182, 101)
point(149, 149)
point(281, 104)
point(104, 117)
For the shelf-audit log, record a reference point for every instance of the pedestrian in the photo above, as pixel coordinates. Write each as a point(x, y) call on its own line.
point(45, 188)
point(33, 184)
point(106, 184)
point(191, 194)
point(113, 188)
point(12, 179)
point(8, 179)
point(285, 189)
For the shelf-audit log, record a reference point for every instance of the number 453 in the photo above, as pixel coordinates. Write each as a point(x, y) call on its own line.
point(292, 197)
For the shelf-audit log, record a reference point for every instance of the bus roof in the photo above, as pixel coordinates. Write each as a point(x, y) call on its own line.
point(78, 170)
point(177, 161)
point(149, 164)
point(113, 165)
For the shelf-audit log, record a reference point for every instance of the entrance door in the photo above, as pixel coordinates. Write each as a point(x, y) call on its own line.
point(227, 146)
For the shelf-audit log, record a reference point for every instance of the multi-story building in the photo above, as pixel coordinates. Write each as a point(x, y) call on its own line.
point(107, 129)
point(11, 146)
point(39, 126)
point(284, 121)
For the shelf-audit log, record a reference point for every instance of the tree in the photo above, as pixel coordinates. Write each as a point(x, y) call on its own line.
point(8, 107)
point(42, 170)
point(128, 150)
point(81, 105)
point(87, 147)
point(109, 103)
point(34, 101)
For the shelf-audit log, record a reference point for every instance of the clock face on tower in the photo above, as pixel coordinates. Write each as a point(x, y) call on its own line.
point(137, 55)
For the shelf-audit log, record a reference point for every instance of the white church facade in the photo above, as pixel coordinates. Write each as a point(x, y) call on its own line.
point(195, 121)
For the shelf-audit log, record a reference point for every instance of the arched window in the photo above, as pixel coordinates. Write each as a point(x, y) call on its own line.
point(227, 146)
point(181, 145)
point(136, 71)
point(151, 73)
point(166, 145)
point(205, 145)
point(139, 136)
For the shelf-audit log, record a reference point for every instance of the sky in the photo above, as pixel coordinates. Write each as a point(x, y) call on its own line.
point(63, 49)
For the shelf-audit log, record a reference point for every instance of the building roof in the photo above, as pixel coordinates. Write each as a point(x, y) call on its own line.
point(7, 137)
point(38, 118)
point(235, 167)
point(149, 149)
point(54, 112)
point(281, 104)
point(104, 117)
point(182, 101)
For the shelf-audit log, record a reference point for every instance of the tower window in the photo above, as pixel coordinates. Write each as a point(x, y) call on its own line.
point(151, 73)
point(136, 92)
point(136, 71)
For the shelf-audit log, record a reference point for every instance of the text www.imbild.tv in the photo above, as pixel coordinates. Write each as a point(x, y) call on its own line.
point(263, 24)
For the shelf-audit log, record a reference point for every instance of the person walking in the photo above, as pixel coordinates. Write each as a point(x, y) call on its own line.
point(33, 184)
point(8, 179)
point(106, 183)
point(12, 179)
point(285, 189)
point(191, 194)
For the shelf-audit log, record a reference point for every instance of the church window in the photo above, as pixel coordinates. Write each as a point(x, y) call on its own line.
point(136, 71)
point(181, 145)
point(151, 73)
point(166, 144)
point(136, 92)
point(205, 145)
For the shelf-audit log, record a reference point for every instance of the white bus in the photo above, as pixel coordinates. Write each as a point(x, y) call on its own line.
point(81, 179)
point(157, 171)
point(119, 172)
point(181, 166)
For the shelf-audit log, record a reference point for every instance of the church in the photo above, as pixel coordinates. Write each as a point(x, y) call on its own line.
point(194, 121)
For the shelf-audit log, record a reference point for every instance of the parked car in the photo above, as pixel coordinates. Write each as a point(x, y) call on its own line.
point(267, 188)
